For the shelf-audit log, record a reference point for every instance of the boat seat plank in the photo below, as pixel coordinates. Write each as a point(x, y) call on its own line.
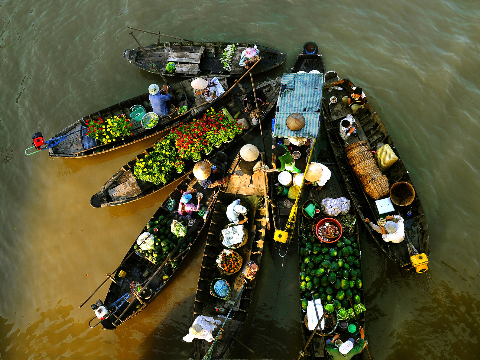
point(187, 69)
point(184, 57)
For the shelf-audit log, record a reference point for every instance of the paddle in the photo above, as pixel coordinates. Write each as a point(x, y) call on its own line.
point(148, 57)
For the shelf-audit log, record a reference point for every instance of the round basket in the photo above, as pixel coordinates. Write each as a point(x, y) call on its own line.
point(377, 187)
point(149, 120)
point(137, 112)
point(235, 246)
point(356, 144)
point(322, 236)
point(402, 193)
point(220, 285)
point(231, 266)
point(331, 323)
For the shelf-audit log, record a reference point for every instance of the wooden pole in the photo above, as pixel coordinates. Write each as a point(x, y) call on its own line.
point(148, 57)
point(150, 32)
point(356, 319)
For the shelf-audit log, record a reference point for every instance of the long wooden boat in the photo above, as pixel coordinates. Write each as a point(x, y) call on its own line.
point(195, 58)
point(384, 193)
point(74, 141)
point(123, 187)
point(232, 310)
point(330, 270)
point(143, 273)
point(300, 94)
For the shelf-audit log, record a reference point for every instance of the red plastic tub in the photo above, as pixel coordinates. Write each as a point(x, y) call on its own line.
point(321, 236)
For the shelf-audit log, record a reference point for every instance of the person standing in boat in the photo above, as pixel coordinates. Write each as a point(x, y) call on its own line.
point(185, 207)
point(158, 99)
point(392, 230)
point(210, 89)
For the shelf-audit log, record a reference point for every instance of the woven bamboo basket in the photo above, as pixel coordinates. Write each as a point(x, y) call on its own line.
point(377, 187)
point(355, 144)
point(402, 193)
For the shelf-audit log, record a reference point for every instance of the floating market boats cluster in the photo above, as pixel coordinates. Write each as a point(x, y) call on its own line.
point(331, 180)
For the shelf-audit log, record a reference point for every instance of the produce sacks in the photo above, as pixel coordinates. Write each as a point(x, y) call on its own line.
point(385, 157)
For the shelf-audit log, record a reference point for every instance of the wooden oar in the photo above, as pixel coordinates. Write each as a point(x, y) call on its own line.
point(148, 57)
point(356, 319)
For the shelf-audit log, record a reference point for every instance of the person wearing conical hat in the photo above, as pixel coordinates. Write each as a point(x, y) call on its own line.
point(250, 161)
point(210, 89)
point(185, 207)
point(317, 174)
point(209, 176)
point(158, 99)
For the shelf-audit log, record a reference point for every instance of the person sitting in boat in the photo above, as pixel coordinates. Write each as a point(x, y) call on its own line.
point(185, 207)
point(158, 99)
point(202, 329)
point(253, 103)
point(346, 350)
point(317, 175)
point(249, 57)
point(208, 176)
point(356, 100)
point(237, 213)
point(348, 127)
point(392, 230)
point(250, 161)
point(210, 89)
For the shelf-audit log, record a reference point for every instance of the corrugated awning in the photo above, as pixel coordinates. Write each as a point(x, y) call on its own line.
point(300, 93)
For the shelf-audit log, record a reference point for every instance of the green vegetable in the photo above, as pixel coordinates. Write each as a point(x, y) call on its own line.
point(311, 265)
point(324, 280)
point(359, 283)
point(356, 299)
point(303, 286)
point(316, 248)
point(306, 260)
point(332, 277)
point(344, 284)
point(329, 297)
point(345, 274)
point(334, 266)
point(333, 252)
point(340, 294)
point(318, 259)
point(337, 305)
point(337, 284)
point(308, 278)
point(309, 285)
point(329, 290)
point(302, 276)
point(340, 244)
point(340, 262)
point(316, 296)
point(304, 305)
point(351, 284)
point(316, 282)
point(329, 308)
point(326, 264)
point(347, 241)
point(320, 271)
point(324, 250)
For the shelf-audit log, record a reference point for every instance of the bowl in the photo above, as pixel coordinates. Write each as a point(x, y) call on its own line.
point(326, 237)
point(149, 120)
point(137, 112)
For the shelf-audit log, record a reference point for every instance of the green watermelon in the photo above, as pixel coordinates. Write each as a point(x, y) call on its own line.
point(340, 295)
point(332, 277)
point(356, 299)
point(333, 252)
point(340, 244)
point(329, 290)
point(304, 305)
point(326, 264)
point(337, 284)
point(344, 284)
point(334, 266)
point(340, 262)
point(337, 304)
point(324, 280)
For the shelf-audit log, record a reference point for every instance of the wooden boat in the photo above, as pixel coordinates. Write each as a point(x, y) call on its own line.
point(330, 269)
point(143, 274)
point(73, 141)
point(195, 58)
point(381, 194)
point(232, 310)
point(300, 94)
point(123, 187)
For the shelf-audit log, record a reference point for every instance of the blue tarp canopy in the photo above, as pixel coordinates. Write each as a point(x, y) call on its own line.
point(301, 93)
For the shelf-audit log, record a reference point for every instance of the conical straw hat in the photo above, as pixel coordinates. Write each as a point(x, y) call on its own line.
point(249, 152)
point(314, 172)
point(295, 121)
point(202, 170)
point(199, 84)
point(297, 179)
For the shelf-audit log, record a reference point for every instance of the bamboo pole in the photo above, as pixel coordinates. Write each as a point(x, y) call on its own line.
point(150, 32)
point(148, 57)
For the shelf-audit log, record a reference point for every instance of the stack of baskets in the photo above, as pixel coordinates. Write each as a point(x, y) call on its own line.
point(365, 167)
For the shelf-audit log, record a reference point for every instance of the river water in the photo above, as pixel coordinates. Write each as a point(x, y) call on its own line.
point(417, 61)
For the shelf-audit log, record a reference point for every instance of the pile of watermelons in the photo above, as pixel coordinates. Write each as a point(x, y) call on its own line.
point(330, 272)
point(164, 242)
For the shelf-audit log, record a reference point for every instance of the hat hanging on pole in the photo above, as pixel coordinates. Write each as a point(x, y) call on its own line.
point(202, 170)
point(249, 152)
point(199, 84)
point(314, 172)
point(295, 121)
point(153, 89)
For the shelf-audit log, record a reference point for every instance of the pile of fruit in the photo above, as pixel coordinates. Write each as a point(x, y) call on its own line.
point(229, 261)
point(331, 272)
point(164, 241)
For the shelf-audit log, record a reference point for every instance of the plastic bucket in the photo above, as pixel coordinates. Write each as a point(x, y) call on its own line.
point(285, 178)
point(137, 112)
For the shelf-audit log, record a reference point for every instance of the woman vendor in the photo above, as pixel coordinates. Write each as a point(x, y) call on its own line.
point(392, 230)
point(210, 176)
point(317, 174)
point(185, 207)
point(210, 89)
point(237, 213)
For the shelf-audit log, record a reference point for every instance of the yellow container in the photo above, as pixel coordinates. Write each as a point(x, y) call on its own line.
point(419, 262)
point(122, 274)
point(280, 236)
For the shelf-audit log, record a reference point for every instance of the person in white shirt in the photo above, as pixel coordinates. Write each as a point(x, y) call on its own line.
point(237, 213)
point(393, 230)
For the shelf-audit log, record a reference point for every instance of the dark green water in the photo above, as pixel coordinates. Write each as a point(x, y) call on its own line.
point(417, 62)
